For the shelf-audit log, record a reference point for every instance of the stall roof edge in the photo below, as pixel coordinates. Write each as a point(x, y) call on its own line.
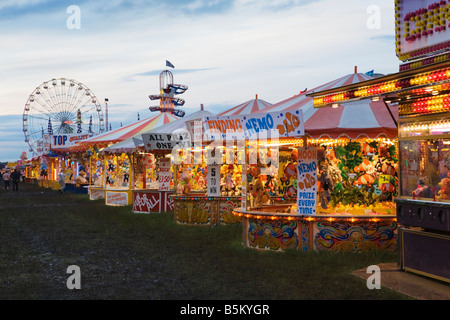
point(388, 77)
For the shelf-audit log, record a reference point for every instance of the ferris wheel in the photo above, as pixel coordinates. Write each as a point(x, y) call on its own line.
point(60, 106)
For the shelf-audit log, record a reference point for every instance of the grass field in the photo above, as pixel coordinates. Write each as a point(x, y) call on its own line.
point(123, 255)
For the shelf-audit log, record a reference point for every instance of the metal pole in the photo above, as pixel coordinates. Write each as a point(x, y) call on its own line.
point(106, 116)
point(390, 112)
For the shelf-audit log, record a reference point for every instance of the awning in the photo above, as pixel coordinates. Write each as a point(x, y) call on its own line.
point(358, 119)
point(124, 133)
point(248, 107)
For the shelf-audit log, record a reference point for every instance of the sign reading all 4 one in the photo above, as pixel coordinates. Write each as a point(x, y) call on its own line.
point(422, 28)
point(255, 126)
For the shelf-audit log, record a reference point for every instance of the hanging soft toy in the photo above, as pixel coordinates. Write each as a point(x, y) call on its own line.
point(259, 194)
point(229, 181)
point(111, 166)
point(444, 192)
point(290, 170)
point(367, 148)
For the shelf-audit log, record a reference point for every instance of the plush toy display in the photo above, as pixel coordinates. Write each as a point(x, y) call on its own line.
point(444, 192)
point(80, 179)
point(259, 195)
point(231, 176)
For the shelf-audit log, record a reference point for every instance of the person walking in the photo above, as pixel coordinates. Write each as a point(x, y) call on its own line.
point(62, 182)
point(15, 177)
point(6, 179)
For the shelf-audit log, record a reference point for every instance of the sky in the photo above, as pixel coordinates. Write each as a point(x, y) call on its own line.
point(225, 51)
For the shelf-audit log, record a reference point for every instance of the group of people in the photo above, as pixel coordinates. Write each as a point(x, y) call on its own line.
point(14, 177)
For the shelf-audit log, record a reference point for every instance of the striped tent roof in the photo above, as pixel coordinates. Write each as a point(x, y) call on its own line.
point(124, 133)
point(251, 106)
point(363, 118)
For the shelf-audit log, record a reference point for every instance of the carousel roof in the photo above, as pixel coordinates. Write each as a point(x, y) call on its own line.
point(127, 132)
point(358, 119)
point(251, 106)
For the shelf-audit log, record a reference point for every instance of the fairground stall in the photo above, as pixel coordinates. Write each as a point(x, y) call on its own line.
point(207, 193)
point(421, 89)
point(157, 174)
point(111, 175)
point(57, 159)
point(337, 181)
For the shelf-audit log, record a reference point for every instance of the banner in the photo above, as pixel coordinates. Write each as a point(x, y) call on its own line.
point(422, 28)
point(195, 128)
point(164, 174)
point(116, 198)
point(213, 180)
point(255, 126)
point(64, 141)
point(306, 181)
point(146, 202)
point(166, 141)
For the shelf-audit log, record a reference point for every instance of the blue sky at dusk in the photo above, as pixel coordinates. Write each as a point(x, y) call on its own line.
point(226, 52)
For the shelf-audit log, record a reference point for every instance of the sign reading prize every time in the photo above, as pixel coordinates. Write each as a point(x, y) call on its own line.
point(307, 181)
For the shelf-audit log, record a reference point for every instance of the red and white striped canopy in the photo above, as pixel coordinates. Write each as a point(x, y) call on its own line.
point(251, 106)
point(358, 119)
point(124, 133)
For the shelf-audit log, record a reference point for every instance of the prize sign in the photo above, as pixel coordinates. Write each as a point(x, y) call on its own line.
point(307, 181)
point(422, 28)
point(213, 180)
point(164, 174)
point(195, 128)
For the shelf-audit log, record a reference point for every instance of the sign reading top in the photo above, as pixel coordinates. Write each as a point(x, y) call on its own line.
point(255, 126)
point(422, 28)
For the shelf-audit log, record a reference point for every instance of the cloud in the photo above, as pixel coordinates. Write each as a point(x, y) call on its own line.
point(224, 51)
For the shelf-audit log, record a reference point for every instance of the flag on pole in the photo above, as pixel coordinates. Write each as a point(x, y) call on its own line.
point(168, 64)
point(370, 73)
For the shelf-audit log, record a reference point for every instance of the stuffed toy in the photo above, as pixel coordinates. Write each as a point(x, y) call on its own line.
point(80, 179)
point(259, 194)
point(444, 192)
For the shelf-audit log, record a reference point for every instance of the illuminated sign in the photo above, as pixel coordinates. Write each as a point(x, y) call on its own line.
point(422, 28)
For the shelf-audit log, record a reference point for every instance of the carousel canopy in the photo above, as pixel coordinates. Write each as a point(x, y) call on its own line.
point(124, 133)
point(251, 106)
point(358, 119)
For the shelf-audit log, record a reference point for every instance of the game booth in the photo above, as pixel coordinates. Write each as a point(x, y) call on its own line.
point(208, 192)
point(113, 177)
point(421, 89)
point(334, 183)
point(155, 173)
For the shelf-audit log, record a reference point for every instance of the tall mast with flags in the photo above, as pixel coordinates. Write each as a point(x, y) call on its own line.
point(167, 92)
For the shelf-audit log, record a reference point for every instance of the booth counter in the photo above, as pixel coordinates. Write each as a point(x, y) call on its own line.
point(267, 229)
